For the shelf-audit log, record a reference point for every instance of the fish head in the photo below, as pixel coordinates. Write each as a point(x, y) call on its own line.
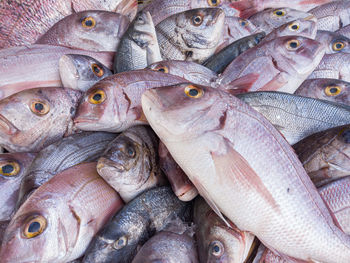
point(330, 89)
point(305, 27)
point(334, 42)
point(239, 26)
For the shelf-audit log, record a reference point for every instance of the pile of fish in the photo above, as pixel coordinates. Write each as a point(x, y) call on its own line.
point(175, 131)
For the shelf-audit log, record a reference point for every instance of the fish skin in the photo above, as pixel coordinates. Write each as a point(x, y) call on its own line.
point(344, 31)
point(37, 66)
point(284, 68)
point(9, 185)
point(297, 117)
point(180, 39)
point(137, 222)
point(281, 193)
point(53, 159)
point(105, 35)
point(234, 244)
point(77, 71)
point(18, 134)
point(139, 46)
point(122, 107)
point(75, 208)
point(330, 39)
point(326, 155)
point(131, 174)
point(317, 88)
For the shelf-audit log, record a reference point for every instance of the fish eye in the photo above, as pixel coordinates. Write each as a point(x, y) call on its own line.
point(34, 226)
point(98, 71)
point(88, 22)
point(213, 2)
point(216, 249)
point(131, 151)
point(292, 44)
point(163, 69)
point(294, 26)
point(346, 136)
point(332, 90)
point(97, 97)
point(120, 243)
point(279, 13)
point(197, 20)
point(39, 107)
point(9, 168)
point(243, 22)
point(193, 92)
point(337, 46)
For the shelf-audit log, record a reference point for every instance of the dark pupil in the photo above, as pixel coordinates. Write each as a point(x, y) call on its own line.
point(197, 19)
point(346, 136)
point(8, 168)
point(294, 27)
point(214, 2)
point(193, 92)
point(293, 44)
point(97, 97)
point(34, 227)
point(96, 69)
point(121, 242)
point(131, 152)
point(243, 23)
point(216, 249)
point(338, 45)
point(333, 90)
point(88, 23)
point(279, 13)
point(161, 70)
point(39, 106)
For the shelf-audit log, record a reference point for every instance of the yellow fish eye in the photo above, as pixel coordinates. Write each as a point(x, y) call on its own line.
point(197, 20)
point(98, 71)
point(34, 226)
point(120, 243)
point(243, 22)
point(216, 249)
point(293, 44)
point(39, 107)
point(214, 2)
point(97, 97)
point(331, 91)
point(337, 46)
point(9, 168)
point(88, 22)
point(193, 92)
point(279, 13)
point(160, 68)
point(294, 26)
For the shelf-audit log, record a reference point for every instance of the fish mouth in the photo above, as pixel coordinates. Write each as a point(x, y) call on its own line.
point(104, 163)
point(68, 72)
point(6, 126)
point(220, 14)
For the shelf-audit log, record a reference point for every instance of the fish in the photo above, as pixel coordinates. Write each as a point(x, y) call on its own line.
point(180, 184)
point(23, 22)
point(114, 103)
point(93, 30)
point(297, 117)
point(59, 156)
point(192, 35)
point(37, 66)
point(281, 64)
point(132, 226)
point(224, 146)
point(13, 168)
point(326, 155)
point(216, 241)
point(344, 31)
point(58, 221)
point(33, 119)
point(219, 61)
point(333, 15)
point(326, 89)
point(130, 163)
point(139, 45)
point(188, 70)
point(81, 72)
point(334, 42)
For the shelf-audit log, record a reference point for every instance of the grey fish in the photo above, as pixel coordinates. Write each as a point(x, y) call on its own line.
point(334, 42)
point(134, 225)
point(344, 31)
point(297, 117)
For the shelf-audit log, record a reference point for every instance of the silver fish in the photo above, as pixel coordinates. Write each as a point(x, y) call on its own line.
point(334, 42)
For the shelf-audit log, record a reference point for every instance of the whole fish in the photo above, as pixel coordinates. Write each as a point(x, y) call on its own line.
point(130, 163)
point(245, 169)
point(93, 30)
point(218, 242)
point(13, 168)
point(70, 151)
point(334, 42)
point(81, 72)
point(297, 117)
point(58, 221)
point(326, 89)
point(139, 46)
point(281, 64)
point(114, 103)
point(344, 31)
point(326, 155)
point(181, 185)
point(32, 119)
point(192, 35)
point(333, 15)
point(131, 227)
point(36, 66)
point(188, 70)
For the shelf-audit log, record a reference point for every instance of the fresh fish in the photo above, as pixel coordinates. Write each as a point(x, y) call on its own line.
point(139, 46)
point(130, 163)
point(344, 31)
point(297, 117)
point(57, 222)
point(55, 158)
point(32, 119)
point(281, 64)
point(188, 70)
point(326, 89)
point(334, 42)
point(326, 155)
point(36, 66)
point(114, 103)
point(271, 18)
point(218, 62)
point(24, 21)
point(218, 242)
point(333, 15)
point(81, 72)
point(192, 35)
point(245, 169)
point(181, 185)
point(13, 167)
point(131, 227)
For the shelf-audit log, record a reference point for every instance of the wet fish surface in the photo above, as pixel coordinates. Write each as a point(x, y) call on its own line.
point(334, 42)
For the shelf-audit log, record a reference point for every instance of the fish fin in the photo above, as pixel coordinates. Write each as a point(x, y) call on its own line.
point(246, 8)
point(274, 84)
point(243, 84)
point(127, 8)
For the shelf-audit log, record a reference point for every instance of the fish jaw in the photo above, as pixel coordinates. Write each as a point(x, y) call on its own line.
point(68, 72)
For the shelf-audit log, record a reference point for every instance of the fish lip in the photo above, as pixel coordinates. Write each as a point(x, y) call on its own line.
point(114, 165)
point(6, 126)
point(78, 120)
point(68, 72)
point(220, 13)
